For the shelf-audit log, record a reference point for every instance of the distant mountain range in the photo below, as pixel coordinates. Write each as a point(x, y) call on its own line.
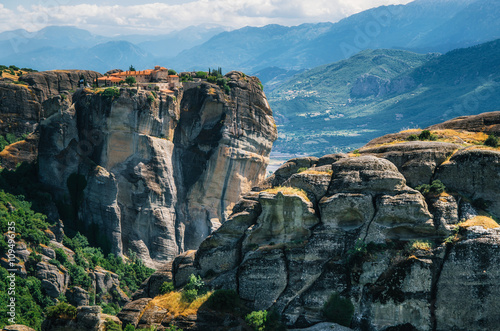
point(62, 47)
point(421, 26)
point(341, 106)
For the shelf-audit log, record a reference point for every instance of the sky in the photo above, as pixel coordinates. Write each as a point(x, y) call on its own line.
point(114, 17)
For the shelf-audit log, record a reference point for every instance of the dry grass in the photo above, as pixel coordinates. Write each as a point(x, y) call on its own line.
point(411, 131)
point(460, 137)
point(483, 221)
point(315, 172)
point(176, 307)
point(420, 245)
point(288, 191)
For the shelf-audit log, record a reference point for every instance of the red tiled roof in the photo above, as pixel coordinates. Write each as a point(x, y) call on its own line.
point(111, 79)
point(133, 73)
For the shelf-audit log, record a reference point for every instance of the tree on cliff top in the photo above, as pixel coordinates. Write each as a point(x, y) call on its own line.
point(130, 80)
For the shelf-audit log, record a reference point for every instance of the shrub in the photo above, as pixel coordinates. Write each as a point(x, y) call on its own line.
point(172, 72)
point(110, 308)
point(61, 256)
point(358, 251)
point(62, 311)
point(189, 295)
point(130, 80)
point(257, 320)
point(166, 287)
point(261, 86)
point(412, 137)
point(423, 245)
point(426, 135)
point(129, 327)
point(302, 169)
point(436, 188)
point(338, 310)
point(492, 141)
point(193, 289)
point(111, 92)
point(151, 99)
point(201, 74)
point(111, 325)
point(223, 300)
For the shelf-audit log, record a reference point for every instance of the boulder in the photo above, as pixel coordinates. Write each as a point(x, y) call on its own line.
point(474, 173)
point(416, 160)
point(54, 280)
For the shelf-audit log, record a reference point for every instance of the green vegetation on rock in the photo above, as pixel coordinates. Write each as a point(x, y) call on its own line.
point(338, 310)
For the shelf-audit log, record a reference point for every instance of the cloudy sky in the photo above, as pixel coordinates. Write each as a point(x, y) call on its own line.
point(111, 17)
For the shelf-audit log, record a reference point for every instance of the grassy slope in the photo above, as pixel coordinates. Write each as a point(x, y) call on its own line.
point(317, 115)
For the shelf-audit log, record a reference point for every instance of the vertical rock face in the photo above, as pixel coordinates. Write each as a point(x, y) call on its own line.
point(157, 174)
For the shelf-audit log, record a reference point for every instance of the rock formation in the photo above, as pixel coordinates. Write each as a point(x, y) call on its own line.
point(156, 174)
point(351, 225)
point(23, 106)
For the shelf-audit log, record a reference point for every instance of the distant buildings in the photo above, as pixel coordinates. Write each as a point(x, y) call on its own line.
point(152, 79)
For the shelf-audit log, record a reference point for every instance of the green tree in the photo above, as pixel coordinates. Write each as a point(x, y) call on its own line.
point(166, 287)
point(257, 320)
point(492, 141)
point(172, 72)
point(130, 80)
point(131, 68)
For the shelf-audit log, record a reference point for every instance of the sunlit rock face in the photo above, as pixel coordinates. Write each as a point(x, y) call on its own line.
point(157, 173)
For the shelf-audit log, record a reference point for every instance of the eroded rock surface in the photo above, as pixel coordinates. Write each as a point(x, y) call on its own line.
point(157, 175)
point(361, 231)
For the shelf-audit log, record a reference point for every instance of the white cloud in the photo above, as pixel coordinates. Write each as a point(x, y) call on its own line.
point(161, 17)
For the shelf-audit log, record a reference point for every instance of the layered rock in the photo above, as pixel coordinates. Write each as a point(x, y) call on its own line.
point(417, 161)
point(357, 229)
point(48, 84)
point(488, 123)
point(36, 97)
point(156, 175)
point(476, 174)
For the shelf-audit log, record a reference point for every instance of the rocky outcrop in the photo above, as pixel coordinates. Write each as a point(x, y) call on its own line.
point(156, 175)
point(36, 97)
point(488, 123)
point(48, 84)
point(88, 318)
point(356, 228)
point(54, 280)
point(476, 174)
point(20, 109)
point(417, 160)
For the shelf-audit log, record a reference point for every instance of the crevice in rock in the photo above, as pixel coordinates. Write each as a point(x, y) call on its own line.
point(374, 202)
point(434, 286)
point(287, 270)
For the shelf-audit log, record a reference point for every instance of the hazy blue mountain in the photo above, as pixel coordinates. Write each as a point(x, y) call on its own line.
point(101, 58)
point(343, 105)
point(422, 26)
point(57, 47)
point(274, 77)
point(169, 45)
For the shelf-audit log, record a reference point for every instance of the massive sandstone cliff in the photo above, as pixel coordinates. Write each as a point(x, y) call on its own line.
point(406, 261)
point(156, 174)
point(24, 105)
